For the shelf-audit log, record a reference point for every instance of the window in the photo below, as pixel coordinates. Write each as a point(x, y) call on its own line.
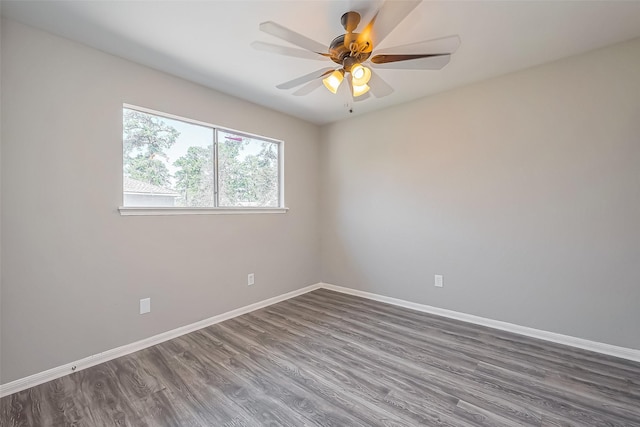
point(170, 162)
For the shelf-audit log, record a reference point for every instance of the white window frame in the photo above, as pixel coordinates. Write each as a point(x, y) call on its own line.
point(143, 210)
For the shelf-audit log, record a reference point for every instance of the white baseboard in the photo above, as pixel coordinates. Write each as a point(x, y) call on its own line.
point(598, 347)
point(87, 362)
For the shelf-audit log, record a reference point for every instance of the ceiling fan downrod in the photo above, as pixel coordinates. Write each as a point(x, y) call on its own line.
point(345, 49)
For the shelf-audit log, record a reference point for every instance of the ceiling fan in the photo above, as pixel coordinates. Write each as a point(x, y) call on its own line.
point(353, 51)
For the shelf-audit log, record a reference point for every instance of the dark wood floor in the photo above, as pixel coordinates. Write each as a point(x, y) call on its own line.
point(330, 359)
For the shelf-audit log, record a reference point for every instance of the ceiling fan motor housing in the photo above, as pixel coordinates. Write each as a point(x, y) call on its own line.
point(342, 53)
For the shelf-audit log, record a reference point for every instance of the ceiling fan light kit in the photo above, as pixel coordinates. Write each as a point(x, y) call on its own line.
point(332, 82)
point(352, 52)
point(360, 75)
point(360, 89)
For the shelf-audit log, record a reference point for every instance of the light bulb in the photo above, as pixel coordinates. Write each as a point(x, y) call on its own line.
point(360, 75)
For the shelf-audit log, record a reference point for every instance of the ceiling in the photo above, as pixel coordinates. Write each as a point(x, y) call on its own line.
point(208, 42)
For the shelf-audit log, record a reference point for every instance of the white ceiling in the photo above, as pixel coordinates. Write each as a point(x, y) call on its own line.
point(208, 42)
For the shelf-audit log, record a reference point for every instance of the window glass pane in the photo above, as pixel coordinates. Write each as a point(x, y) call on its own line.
point(166, 162)
point(248, 171)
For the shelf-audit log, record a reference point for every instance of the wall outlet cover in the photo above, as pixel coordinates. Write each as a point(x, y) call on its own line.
point(439, 281)
point(145, 305)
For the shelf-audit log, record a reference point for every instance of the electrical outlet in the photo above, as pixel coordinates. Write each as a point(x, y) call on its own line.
point(145, 305)
point(439, 281)
point(250, 279)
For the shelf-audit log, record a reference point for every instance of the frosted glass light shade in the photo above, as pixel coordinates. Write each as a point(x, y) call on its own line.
point(333, 80)
point(360, 89)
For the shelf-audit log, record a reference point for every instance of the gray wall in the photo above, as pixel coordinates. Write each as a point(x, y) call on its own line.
point(523, 191)
point(0, 200)
point(73, 269)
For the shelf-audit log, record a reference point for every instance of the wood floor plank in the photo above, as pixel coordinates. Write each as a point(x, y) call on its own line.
point(367, 383)
point(267, 397)
point(302, 384)
point(207, 404)
point(480, 417)
point(365, 394)
point(484, 336)
point(617, 410)
point(581, 407)
point(441, 387)
point(517, 348)
point(331, 359)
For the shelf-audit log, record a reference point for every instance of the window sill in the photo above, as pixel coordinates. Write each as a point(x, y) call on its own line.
point(139, 211)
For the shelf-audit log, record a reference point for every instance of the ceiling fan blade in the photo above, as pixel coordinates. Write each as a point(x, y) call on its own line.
point(383, 59)
point(390, 14)
point(291, 36)
point(306, 78)
point(410, 62)
point(308, 88)
point(362, 97)
point(345, 93)
point(379, 87)
point(288, 51)
point(442, 45)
